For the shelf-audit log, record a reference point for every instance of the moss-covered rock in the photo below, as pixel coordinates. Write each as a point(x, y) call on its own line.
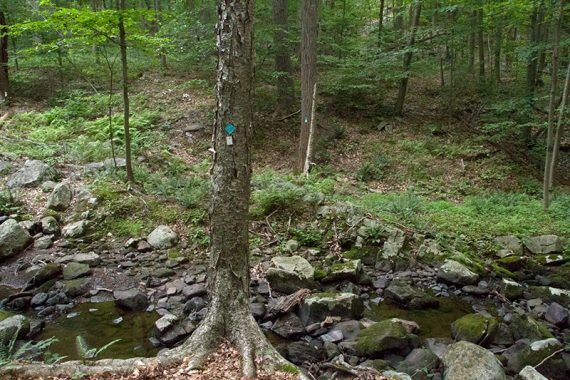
point(511, 290)
point(524, 326)
point(523, 354)
point(347, 271)
point(474, 328)
point(512, 263)
point(76, 287)
point(392, 335)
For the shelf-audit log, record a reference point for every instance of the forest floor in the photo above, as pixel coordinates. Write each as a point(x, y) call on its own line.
point(433, 174)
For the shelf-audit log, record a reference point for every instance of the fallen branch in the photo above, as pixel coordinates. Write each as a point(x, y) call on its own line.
point(288, 116)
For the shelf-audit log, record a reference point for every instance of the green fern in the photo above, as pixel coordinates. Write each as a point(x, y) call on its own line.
point(27, 351)
point(88, 353)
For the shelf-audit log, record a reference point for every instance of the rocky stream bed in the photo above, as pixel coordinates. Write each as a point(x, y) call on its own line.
point(404, 305)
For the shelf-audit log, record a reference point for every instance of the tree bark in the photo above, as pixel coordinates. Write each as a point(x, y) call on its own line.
point(285, 86)
point(399, 107)
point(157, 17)
point(531, 67)
point(309, 26)
point(381, 22)
point(397, 7)
point(4, 79)
point(558, 130)
point(481, 43)
point(498, 43)
point(126, 105)
point(552, 107)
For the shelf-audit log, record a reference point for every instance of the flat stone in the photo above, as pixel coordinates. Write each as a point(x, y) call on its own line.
point(316, 307)
point(75, 270)
point(465, 360)
point(43, 242)
point(194, 290)
point(60, 197)
point(131, 299)
point(529, 373)
point(74, 230)
point(510, 243)
point(165, 322)
point(544, 244)
point(557, 315)
point(347, 271)
point(288, 326)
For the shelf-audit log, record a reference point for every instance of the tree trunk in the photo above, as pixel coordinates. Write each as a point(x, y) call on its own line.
point(542, 34)
point(472, 52)
point(552, 108)
point(125, 73)
point(4, 79)
point(558, 131)
point(381, 22)
point(498, 43)
point(285, 86)
point(397, 7)
point(308, 73)
point(399, 107)
point(481, 43)
point(157, 16)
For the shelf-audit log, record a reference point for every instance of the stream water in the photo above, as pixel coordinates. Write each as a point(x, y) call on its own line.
point(101, 323)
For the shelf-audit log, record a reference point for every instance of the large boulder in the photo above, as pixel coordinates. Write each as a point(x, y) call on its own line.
point(131, 299)
point(468, 361)
point(474, 328)
point(316, 307)
point(50, 226)
point(32, 173)
point(409, 297)
point(13, 238)
point(526, 327)
point(456, 273)
point(12, 325)
point(60, 197)
point(544, 244)
point(163, 238)
point(522, 354)
point(510, 243)
point(394, 244)
point(389, 336)
point(290, 274)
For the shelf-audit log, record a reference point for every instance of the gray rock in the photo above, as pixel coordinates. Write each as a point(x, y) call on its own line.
point(394, 375)
point(12, 325)
point(348, 271)
point(522, 354)
point(13, 238)
point(409, 297)
point(177, 332)
point(467, 361)
point(131, 299)
point(32, 173)
point(349, 329)
point(394, 244)
point(75, 270)
point(510, 243)
point(46, 273)
point(74, 230)
point(118, 162)
point(92, 259)
point(456, 273)
point(163, 238)
point(292, 245)
point(544, 244)
point(301, 352)
point(77, 287)
point(193, 305)
point(43, 242)
point(529, 373)
point(511, 289)
point(557, 314)
point(388, 336)
point(316, 307)
point(418, 362)
point(503, 336)
point(39, 299)
point(526, 327)
point(165, 322)
point(50, 226)
point(290, 274)
point(288, 326)
point(60, 198)
point(194, 290)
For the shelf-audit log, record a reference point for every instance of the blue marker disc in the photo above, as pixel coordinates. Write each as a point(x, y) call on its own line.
point(230, 128)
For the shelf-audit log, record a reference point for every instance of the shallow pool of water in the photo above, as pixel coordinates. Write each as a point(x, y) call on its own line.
point(99, 324)
point(434, 323)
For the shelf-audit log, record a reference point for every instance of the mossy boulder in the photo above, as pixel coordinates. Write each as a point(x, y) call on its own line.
point(526, 327)
point(512, 263)
point(512, 290)
point(456, 273)
point(46, 273)
point(76, 287)
point(75, 270)
point(409, 297)
point(552, 259)
point(474, 328)
point(389, 336)
point(290, 274)
point(530, 354)
point(348, 271)
point(16, 324)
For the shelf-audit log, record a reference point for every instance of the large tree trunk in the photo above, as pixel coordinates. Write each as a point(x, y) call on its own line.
point(399, 107)
point(285, 92)
point(4, 81)
point(552, 108)
point(308, 73)
point(125, 73)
